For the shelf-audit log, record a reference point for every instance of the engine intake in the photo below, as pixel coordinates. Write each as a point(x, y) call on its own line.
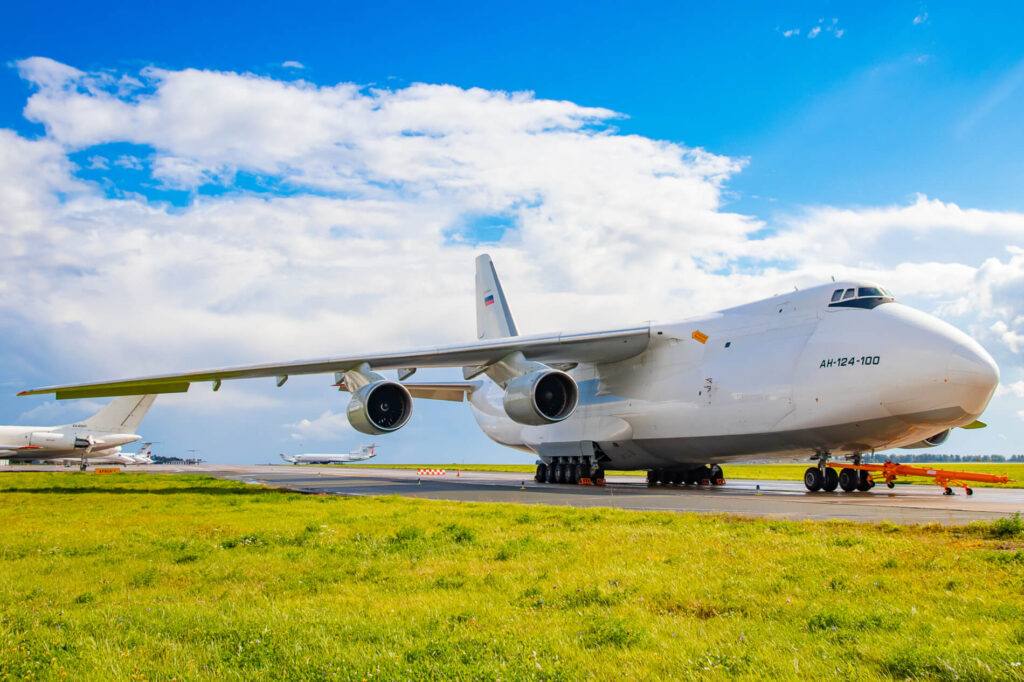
point(929, 442)
point(539, 398)
point(380, 407)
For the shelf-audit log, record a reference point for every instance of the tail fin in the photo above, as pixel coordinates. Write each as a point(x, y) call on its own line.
point(493, 319)
point(121, 415)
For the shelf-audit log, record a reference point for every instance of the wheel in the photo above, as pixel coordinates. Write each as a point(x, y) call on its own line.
point(865, 483)
point(704, 475)
point(831, 480)
point(599, 475)
point(716, 472)
point(948, 491)
point(556, 473)
point(563, 472)
point(848, 480)
point(542, 473)
point(890, 485)
point(652, 478)
point(677, 478)
point(969, 491)
point(582, 471)
point(689, 477)
point(813, 479)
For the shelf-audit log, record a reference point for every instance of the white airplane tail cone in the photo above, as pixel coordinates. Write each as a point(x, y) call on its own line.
point(493, 319)
point(121, 415)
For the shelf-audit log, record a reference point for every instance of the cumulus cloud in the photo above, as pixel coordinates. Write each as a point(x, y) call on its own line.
point(292, 64)
point(921, 18)
point(328, 426)
point(362, 211)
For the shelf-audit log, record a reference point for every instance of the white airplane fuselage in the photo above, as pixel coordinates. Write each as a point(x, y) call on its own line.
point(317, 458)
point(47, 442)
point(792, 375)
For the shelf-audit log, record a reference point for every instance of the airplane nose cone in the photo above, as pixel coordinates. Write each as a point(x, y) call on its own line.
point(974, 375)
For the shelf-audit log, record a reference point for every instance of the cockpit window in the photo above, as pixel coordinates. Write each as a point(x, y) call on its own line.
point(860, 297)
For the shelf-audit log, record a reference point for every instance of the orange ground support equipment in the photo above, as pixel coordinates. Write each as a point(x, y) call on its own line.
point(943, 477)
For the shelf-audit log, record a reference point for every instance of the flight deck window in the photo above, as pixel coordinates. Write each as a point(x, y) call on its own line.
point(870, 291)
point(848, 294)
point(836, 295)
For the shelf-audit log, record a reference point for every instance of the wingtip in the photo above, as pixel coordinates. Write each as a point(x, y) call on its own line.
point(23, 393)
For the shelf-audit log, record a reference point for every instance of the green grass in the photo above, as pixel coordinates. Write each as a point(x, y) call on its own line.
point(757, 472)
point(137, 576)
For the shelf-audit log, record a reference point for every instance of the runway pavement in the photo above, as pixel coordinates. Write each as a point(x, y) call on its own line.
point(906, 504)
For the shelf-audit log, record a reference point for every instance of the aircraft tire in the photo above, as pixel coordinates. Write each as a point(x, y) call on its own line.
point(582, 471)
point(689, 478)
point(561, 473)
point(716, 472)
point(703, 474)
point(599, 474)
point(848, 480)
point(677, 478)
point(542, 473)
point(652, 478)
point(552, 473)
point(831, 480)
point(865, 484)
point(813, 479)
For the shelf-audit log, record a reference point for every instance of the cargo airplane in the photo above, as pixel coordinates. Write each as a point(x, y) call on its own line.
point(832, 371)
point(97, 437)
point(363, 453)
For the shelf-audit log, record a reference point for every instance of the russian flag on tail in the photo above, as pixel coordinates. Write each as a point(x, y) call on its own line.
point(489, 300)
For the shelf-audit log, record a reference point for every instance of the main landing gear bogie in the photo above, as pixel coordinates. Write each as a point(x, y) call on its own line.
point(848, 480)
point(567, 472)
point(705, 475)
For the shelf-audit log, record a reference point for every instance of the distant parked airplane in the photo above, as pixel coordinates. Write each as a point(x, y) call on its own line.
point(142, 456)
point(98, 436)
point(365, 452)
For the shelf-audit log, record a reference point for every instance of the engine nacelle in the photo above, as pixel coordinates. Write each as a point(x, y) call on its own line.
point(539, 398)
point(55, 440)
point(930, 442)
point(380, 407)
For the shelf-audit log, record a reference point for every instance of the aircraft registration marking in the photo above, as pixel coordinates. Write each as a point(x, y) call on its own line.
point(863, 360)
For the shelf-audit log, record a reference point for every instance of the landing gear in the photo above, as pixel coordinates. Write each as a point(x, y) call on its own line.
point(652, 478)
point(848, 480)
point(831, 480)
point(865, 483)
point(542, 473)
point(814, 479)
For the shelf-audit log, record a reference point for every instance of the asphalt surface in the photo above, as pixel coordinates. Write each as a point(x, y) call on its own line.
point(906, 504)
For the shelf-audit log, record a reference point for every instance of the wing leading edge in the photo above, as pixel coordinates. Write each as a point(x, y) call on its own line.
point(605, 346)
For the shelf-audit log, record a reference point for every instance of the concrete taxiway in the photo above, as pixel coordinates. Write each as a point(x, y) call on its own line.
point(906, 504)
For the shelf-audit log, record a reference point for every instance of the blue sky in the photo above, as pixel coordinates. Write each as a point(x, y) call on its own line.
point(896, 123)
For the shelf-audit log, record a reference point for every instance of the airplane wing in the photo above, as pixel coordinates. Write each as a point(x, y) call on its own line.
point(605, 346)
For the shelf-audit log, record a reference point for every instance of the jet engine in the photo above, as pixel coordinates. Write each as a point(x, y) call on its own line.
point(380, 407)
point(54, 440)
point(542, 397)
point(930, 442)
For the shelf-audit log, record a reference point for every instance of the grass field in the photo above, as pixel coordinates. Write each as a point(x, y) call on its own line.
point(137, 576)
point(757, 472)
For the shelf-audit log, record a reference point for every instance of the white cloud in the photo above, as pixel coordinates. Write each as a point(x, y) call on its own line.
point(328, 426)
point(291, 64)
point(371, 247)
point(791, 32)
point(921, 18)
point(813, 33)
point(1016, 388)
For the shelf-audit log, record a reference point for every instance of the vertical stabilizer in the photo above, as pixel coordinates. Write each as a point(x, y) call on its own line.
point(121, 415)
point(493, 319)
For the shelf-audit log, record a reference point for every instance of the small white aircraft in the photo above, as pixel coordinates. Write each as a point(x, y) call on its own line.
point(363, 453)
point(97, 437)
point(832, 371)
point(142, 456)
